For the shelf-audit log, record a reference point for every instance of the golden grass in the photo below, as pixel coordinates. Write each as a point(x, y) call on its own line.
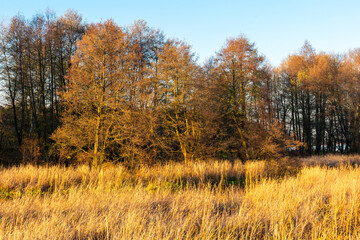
point(214, 200)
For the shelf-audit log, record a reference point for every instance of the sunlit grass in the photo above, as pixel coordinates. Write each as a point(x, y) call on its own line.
point(213, 200)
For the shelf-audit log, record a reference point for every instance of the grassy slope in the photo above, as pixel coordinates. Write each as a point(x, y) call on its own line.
point(200, 201)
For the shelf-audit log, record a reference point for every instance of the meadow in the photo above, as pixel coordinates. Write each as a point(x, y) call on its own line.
point(304, 198)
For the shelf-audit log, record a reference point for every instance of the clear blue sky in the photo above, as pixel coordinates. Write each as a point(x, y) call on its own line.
point(278, 28)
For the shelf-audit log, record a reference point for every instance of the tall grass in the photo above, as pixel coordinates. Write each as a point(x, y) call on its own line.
point(213, 200)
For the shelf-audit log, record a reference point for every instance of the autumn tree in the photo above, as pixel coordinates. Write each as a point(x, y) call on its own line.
point(313, 95)
point(32, 69)
point(237, 72)
point(142, 122)
point(350, 77)
point(295, 69)
point(13, 71)
point(177, 73)
point(323, 75)
point(95, 94)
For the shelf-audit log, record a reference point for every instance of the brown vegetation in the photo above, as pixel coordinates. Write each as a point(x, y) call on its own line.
point(95, 93)
point(123, 135)
point(212, 200)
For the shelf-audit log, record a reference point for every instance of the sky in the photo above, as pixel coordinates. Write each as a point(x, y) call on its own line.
point(278, 28)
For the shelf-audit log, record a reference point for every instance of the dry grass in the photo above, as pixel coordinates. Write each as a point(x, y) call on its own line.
point(215, 200)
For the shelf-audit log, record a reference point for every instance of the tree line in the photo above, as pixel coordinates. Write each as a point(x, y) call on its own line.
point(92, 93)
point(34, 60)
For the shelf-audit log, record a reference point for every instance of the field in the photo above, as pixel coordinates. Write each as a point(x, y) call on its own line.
point(311, 198)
